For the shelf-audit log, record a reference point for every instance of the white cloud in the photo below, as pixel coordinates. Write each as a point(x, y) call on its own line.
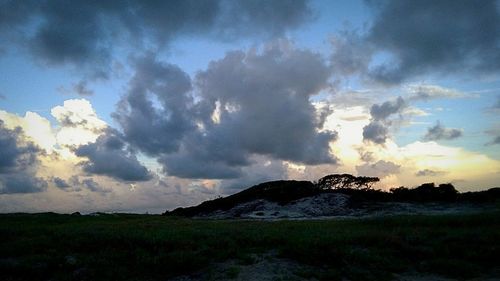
point(78, 122)
point(34, 126)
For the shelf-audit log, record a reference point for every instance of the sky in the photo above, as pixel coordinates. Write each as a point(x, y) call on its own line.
point(144, 106)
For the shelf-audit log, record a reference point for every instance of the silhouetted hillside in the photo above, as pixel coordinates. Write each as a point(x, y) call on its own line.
point(281, 192)
point(357, 190)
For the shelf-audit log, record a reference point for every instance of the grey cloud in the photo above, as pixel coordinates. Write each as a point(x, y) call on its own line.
point(93, 186)
point(87, 183)
point(495, 108)
point(429, 173)
point(60, 183)
point(251, 17)
point(156, 127)
point(376, 132)
point(439, 132)
point(380, 169)
point(351, 53)
point(84, 33)
point(442, 36)
point(81, 88)
point(18, 159)
point(254, 103)
point(428, 92)
point(261, 170)
point(108, 156)
point(384, 110)
point(264, 102)
point(496, 140)
point(21, 183)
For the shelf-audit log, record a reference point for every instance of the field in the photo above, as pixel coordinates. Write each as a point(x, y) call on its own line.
point(150, 247)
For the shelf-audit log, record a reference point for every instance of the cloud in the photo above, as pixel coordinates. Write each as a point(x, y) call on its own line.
point(439, 132)
point(82, 89)
point(495, 141)
point(377, 130)
point(264, 103)
point(254, 103)
point(157, 111)
point(21, 183)
point(497, 103)
point(351, 54)
point(87, 183)
point(428, 92)
point(379, 169)
point(108, 156)
point(445, 37)
point(60, 183)
point(79, 124)
point(429, 173)
point(93, 186)
point(85, 34)
point(18, 160)
point(386, 109)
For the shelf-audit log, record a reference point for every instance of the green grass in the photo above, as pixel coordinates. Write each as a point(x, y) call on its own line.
point(146, 247)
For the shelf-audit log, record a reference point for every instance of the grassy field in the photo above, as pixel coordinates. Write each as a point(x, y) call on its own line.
point(147, 247)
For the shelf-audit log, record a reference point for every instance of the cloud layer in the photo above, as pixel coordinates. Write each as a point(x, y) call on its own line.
point(444, 36)
point(86, 33)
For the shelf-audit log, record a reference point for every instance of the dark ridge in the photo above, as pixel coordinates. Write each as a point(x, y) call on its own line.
point(359, 190)
point(282, 192)
point(484, 196)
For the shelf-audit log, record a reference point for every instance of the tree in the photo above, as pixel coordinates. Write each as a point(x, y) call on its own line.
point(343, 181)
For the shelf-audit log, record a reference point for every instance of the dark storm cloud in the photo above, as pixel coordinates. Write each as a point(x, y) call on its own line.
point(439, 132)
point(248, 103)
point(84, 33)
point(447, 36)
point(108, 156)
point(380, 169)
point(18, 158)
point(377, 130)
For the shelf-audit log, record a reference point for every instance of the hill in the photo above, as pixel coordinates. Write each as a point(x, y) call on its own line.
point(338, 195)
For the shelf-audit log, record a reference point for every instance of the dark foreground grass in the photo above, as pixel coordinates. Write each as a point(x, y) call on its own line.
point(146, 247)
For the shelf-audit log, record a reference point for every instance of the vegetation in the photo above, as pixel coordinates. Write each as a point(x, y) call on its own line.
point(147, 247)
point(344, 181)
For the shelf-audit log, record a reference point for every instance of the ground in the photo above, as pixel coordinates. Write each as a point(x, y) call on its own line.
point(458, 246)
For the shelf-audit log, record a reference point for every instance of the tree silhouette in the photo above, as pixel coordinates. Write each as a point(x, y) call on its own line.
point(346, 181)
